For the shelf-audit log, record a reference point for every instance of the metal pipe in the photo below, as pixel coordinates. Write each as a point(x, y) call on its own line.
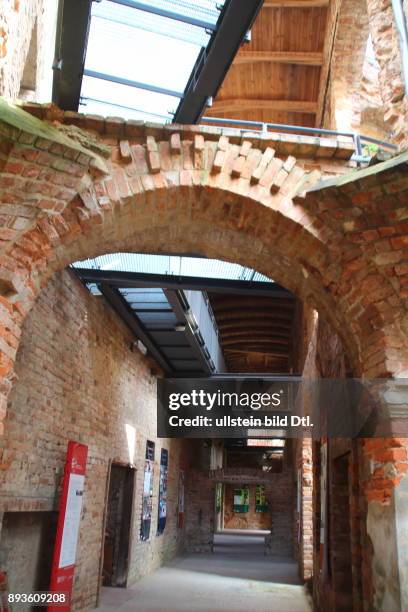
point(130, 83)
point(232, 121)
point(296, 128)
point(357, 144)
point(142, 6)
point(390, 145)
point(277, 126)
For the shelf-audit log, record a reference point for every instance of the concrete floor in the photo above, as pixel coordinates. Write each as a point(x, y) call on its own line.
point(236, 578)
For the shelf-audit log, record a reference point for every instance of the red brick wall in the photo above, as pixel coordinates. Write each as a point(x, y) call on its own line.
point(27, 45)
point(353, 101)
point(78, 379)
point(388, 53)
point(324, 247)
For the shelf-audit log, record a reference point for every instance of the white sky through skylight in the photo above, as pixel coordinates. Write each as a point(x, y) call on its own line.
point(139, 46)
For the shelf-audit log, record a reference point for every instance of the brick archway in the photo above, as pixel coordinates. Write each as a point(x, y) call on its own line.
point(70, 193)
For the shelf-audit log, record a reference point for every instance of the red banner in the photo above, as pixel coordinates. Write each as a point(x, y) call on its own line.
point(63, 564)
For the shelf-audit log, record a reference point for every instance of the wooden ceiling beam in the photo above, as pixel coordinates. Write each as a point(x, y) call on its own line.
point(243, 105)
point(258, 351)
point(254, 334)
point(303, 58)
point(241, 342)
point(250, 316)
point(250, 311)
point(219, 300)
point(295, 3)
point(284, 329)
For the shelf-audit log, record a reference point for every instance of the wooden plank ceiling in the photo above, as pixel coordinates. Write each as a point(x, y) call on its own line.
point(256, 333)
point(277, 77)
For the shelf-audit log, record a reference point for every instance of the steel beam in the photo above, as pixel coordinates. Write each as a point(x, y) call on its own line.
point(124, 311)
point(212, 65)
point(190, 334)
point(74, 17)
point(130, 83)
point(130, 280)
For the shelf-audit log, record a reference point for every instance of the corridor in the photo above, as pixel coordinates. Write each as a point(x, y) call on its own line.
point(237, 577)
point(203, 305)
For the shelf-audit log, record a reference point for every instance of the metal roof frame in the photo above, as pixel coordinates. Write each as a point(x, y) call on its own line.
point(213, 63)
point(74, 17)
point(167, 281)
point(143, 6)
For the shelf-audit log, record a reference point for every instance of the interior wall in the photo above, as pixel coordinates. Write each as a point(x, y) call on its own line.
point(353, 101)
point(337, 572)
point(78, 379)
point(27, 45)
point(27, 543)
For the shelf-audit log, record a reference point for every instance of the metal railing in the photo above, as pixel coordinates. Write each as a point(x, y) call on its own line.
point(359, 140)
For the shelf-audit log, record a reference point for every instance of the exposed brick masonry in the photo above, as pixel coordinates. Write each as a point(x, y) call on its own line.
point(78, 379)
point(318, 246)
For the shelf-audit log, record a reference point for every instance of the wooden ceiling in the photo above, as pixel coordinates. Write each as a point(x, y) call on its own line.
point(256, 333)
point(278, 76)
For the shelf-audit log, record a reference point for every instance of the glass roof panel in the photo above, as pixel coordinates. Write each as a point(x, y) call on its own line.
point(149, 49)
point(141, 56)
point(143, 20)
point(199, 9)
point(102, 98)
point(172, 265)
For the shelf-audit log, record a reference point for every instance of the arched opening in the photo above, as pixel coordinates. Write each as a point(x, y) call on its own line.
point(313, 243)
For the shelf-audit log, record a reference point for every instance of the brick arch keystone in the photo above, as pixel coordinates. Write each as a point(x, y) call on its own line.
point(74, 187)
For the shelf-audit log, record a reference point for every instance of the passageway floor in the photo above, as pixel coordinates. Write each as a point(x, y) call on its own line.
point(237, 577)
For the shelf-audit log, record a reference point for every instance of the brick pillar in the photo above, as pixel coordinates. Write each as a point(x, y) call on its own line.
point(200, 510)
point(386, 492)
point(305, 542)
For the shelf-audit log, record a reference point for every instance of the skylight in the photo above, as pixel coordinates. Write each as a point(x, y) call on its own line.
point(173, 265)
point(138, 62)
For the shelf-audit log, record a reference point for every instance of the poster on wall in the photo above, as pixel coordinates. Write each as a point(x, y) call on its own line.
point(69, 518)
point(261, 504)
point(241, 500)
point(164, 459)
point(147, 500)
point(180, 521)
point(218, 496)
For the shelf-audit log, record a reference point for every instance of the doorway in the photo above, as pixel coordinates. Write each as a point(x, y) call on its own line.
point(118, 526)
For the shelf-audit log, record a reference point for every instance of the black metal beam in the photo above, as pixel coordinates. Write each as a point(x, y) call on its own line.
point(130, 83)
point(124, 311)
point(190, 334)
point(135, 280)
point(212, 65)
point(74, 17)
